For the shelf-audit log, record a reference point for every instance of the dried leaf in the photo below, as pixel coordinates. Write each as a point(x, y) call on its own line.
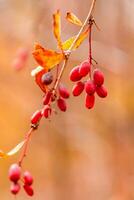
point(73, 19)
point(36, 70)
point(13, 151)
point(57, 27)
point(16, 149)
point(38, 80)
point(47, 58)
point(67, 44)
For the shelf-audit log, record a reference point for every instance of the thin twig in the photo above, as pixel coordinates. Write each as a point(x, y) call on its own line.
point(27, 137)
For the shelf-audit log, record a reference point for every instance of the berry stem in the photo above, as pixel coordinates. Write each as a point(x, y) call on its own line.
point(27, 138)
point(90, 44)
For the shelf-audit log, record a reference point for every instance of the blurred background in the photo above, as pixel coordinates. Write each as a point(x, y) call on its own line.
point(81, 154)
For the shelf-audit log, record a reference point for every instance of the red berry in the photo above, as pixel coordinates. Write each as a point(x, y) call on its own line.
point(84, 68)
point(47, 78)
point(23, 53)
point(46, 111)
point(61, 104)
point(74, 74)
point(89, 101)
point(47, 98)
point(64, 93)
point(29, 190)
point(36, 117)
point(101, 91)
point(78, 88)
point(98, 77)
point(28, 179)
point(14, 172)
point(17, 64)
point(90, 87)
point(15, 188)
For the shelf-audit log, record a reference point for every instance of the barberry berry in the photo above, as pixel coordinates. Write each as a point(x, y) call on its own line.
point(61, 104)
point(85, 68)
point(101, 91)
point(89, 101)
point(47, 97)
point(47, 78)
point(46, 111)
point(64, 93)
point(15, 188)
point(14, 172)
point(90, 87)
point(28, 179)
point(98, 77)
point(36, 117)
point(74, 74)
point(78, 88)
point(29, 190)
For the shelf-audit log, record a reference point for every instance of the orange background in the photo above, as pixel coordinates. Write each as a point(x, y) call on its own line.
point(81, 154)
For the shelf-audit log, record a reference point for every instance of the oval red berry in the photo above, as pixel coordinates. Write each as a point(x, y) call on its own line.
point(78, 88)
point(46, 111)
point(90, 87)
point(36, 117)
point(47, 97)
point(14, 172)
point(61, 104)
point(84, 68)
point(98, 77)
point(64, 93)
point(74, 74)
point(89, 101)
point(28, 179)
point(101, 91)
point(29, 190)
point(15, 188)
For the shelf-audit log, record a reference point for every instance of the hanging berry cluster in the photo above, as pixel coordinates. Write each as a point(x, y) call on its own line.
point(15, 178)
point(48, 77)
point(90, 85)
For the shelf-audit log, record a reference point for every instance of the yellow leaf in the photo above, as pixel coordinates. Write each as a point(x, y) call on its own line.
point(73, 19)
point(57, 27)
point(13, 151)
point(47, 58)
point(67, 44)
point(16, 149)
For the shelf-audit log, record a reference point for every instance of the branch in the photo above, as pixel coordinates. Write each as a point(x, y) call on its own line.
point(27, 137)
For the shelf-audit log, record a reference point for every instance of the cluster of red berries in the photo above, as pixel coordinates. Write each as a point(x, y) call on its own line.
point(15, 177)
point(21, 58)
point(92, 85)
point(50, 96)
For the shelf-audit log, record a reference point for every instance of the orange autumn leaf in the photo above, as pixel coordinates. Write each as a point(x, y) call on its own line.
point(67, 44)
point(47, 58)
point(57, 27)
point(73, 19)
point(12, 151)
point(38, 80)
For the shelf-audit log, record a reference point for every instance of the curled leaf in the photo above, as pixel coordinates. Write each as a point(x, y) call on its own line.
point(13, 151)
point(73, 19)
point(67, 44)
point(57, 27)
point(38, 80)
point(47, 58)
